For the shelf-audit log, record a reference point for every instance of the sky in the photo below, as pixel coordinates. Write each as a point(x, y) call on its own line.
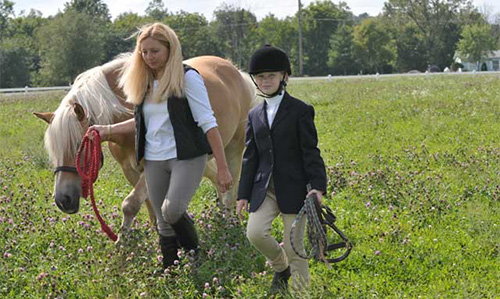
point(261, 8)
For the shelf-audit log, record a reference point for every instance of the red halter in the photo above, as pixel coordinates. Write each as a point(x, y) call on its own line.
point(92, 155)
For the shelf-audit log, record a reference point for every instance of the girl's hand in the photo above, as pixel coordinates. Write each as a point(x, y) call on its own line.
point(224, 179)
point(242, 205)
point(319, 195)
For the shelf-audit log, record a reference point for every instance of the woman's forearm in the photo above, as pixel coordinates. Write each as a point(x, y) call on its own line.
point(118, 130)
point(124, 127)
point(115, 132)
point(215, 141)
point(224, 176)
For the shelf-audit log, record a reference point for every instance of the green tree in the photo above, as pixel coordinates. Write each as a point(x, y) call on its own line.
point(156, 10)
point(359, 18)
point(96, 9)
point(196, 36)
point(70, 44)
point(22, 50)
point(281, 33)
point(438, 22)
point(14, 66)
point(6, 11)
point(320, 21)
point(374, 48)
point(235, 29)
point(98, 12)
point(410, 49)
point(120, 37)
point(341, 55)
point(476, 43)
point(409, 40)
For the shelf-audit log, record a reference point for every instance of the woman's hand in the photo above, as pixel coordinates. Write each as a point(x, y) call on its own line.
point(103, 130)
point(242, 205)
point(115, 132)
point(224, 179)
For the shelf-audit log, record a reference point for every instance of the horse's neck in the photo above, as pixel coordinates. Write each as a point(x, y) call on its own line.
point(122, 117)
point(112, 72)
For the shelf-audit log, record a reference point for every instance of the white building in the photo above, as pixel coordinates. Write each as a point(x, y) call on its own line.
point(492, 62)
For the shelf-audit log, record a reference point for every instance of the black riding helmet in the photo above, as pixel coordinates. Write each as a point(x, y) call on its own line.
point(270, 59)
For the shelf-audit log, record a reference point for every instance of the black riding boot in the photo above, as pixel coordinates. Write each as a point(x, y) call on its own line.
point(169, 248)
point(186, 234)
point(280, 281)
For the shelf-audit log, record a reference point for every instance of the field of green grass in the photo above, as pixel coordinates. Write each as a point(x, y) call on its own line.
point(414, 179)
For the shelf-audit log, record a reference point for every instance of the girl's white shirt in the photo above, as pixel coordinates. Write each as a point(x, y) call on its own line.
point(160, 140)
point(272, 107)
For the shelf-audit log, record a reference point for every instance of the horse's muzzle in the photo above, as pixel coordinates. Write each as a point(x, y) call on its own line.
point(68, 202)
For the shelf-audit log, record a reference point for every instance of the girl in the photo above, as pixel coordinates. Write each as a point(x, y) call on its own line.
point(280, 159)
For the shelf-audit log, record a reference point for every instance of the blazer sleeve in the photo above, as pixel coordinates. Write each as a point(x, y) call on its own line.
point(313, 163)
point(249, 164)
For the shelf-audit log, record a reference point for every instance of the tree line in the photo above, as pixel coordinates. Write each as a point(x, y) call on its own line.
point(407, 35)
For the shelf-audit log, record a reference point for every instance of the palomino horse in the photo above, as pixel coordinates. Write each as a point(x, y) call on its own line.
point(95, 99)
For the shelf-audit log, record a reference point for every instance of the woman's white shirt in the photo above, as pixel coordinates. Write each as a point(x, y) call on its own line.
point(160, 140)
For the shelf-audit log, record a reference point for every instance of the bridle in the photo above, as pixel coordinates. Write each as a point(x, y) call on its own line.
point(73, 168)
point(318, 219)
point(90, 153)
point(65, 169)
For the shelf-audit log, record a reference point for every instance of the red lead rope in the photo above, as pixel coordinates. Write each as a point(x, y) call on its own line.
point(92, 153)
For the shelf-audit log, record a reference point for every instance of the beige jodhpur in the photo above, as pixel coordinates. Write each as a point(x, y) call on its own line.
point(259, 234)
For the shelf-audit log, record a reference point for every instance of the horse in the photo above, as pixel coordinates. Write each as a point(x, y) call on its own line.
point(95, 98)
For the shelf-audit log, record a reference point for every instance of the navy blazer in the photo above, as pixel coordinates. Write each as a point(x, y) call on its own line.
point(288, 150)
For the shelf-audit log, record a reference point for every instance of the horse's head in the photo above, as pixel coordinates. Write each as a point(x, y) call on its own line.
point(67, 126)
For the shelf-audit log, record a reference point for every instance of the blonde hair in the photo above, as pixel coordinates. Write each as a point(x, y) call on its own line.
point(137, 77)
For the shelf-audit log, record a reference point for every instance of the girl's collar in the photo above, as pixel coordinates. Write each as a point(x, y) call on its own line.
point(276, 99)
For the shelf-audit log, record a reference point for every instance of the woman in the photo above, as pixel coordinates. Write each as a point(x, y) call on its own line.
point(175, 129)
point(281, 158)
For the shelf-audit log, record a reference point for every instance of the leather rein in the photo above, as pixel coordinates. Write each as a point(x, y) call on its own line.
point(318, 219)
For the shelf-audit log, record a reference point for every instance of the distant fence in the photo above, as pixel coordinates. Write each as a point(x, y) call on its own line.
point(33, 89)
point(378, 76)
point(328, 78)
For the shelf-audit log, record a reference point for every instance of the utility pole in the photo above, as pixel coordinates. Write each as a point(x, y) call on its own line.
point(301, 67)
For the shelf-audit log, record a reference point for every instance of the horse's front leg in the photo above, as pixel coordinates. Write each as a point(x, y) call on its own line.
point(131, 205)
point(234, 155)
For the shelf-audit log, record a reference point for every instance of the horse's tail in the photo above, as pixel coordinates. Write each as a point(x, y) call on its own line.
point(255, 100)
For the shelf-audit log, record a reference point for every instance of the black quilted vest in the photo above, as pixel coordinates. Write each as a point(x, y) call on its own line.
point(190, 140)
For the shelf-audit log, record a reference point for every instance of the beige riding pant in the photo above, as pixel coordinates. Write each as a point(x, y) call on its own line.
point(259, 235)
point(171, 186)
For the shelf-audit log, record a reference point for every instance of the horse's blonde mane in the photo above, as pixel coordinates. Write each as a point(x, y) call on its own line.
point(92, 92)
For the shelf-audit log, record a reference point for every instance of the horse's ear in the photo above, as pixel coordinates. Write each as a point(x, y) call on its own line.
point(79, 111)
point(45, 116)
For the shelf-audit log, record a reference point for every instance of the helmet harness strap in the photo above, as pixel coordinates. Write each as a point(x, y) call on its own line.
point(281, 88)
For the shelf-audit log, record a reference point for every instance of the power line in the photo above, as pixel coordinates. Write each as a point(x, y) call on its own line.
point(301, 64)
